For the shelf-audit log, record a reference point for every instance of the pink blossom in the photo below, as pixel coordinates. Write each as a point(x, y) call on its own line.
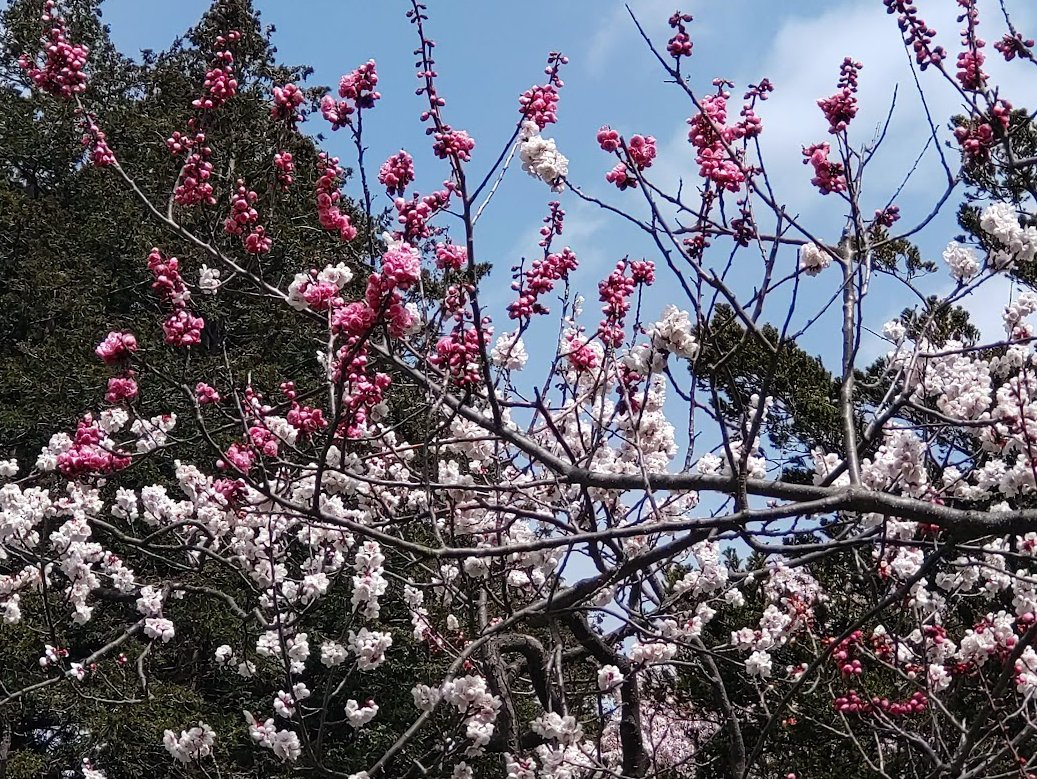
point(828, 176)
point(116, 346)
point(401, 266)
point(121, 388)
point(183, 329)
point(359, 85)
point(205, 394)
point(220, 83)
point(621, 177)
point(451, 255)
point(608, 139)
point(642, 150)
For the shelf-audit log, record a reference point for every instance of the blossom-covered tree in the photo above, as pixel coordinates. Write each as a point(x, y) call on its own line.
point(674, 544)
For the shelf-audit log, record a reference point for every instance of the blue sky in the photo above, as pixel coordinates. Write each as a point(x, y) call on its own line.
point(489, 52)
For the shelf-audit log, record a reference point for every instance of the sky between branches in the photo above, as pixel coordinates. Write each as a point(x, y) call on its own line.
point(490, 52)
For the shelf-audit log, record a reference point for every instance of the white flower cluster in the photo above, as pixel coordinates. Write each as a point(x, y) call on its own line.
point(509, 352)
point(369, 647)
point(962, 261)
point(813, 259)
point(541, 158)
point(469, 695)
point(358, 715)
point(1001, 222)
point(284, 744)
point(193, 744)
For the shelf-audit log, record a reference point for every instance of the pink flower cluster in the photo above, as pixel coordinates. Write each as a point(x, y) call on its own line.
point(640, 154)
point(841, 108)
point(828, 176)
point(364, 390)
point(397, 172)
point(287, 100)
point(459, 354)
point(284, 168)
point(401, 269)
point(539, 281)
point(680, 44)
point(451, 255)
point(453, 143)
point(121, 388)
point(91, 452)
point(182, 328)
point(116, 346)
point(329, 197)
point(244, 221)
point(580, 354)
point(357, 90)
point(641, 149)
point(359, 85)
point(206, 395)
point(306, 419)
point(711, 137)
point(976, 136)
point(539, 104)
point(193, 186)
point(220, 84)
point(415, 214)
point(621, 176)
point(61, 73)
point(615, 291)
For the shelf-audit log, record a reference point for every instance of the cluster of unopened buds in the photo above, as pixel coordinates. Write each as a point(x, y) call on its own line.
point(284, 168)
point(970, 60)
point(244, 220)
point(414, 214)
point(287, 100)
point(680, 44)
point(329, 197)
point(539, 104)
point(194, 186)
point(101, 154)
point(397, 172)
point(841, 108)
point(853, 703)
point(220, 84)
point(61, 73)
point(917, 34)
point(540, 280)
